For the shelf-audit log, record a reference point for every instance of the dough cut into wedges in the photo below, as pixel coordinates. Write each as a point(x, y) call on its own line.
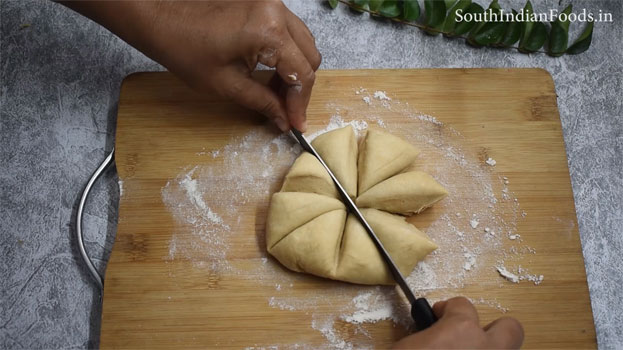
point(406, 193)
point(360, 261)
point(314, 246)
point(381, 156)
point(338, 148)
point(308, 175)
point(290, 210)
point(308, 228)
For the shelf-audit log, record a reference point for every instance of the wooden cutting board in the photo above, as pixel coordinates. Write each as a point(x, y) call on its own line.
point(154, 301)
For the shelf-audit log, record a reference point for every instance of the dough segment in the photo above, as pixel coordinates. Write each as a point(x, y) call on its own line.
point(309, 229)
point(361, 262)
point(338, 148)
point(314, 246)
point(290, 210)
point(382, 155)
point(407, 193)
point(308, 175)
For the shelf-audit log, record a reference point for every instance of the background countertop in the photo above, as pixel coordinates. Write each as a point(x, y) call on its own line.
point(59, 87)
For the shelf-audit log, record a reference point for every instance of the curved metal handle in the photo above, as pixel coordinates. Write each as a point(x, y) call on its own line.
point(85, 194)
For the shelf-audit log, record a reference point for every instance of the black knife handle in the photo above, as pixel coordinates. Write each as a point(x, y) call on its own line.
point(422, 314)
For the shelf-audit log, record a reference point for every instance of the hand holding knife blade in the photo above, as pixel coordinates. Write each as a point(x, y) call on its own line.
point(421, 312)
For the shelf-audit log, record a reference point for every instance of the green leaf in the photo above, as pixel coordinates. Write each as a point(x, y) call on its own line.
point(435, 12)
point(494, 7)
point(465, 26)
point(559, 35)
point(583, 42)
point(374, 5)
point(490, 33)
point(526, 26)
point(390, 9)
point(565, 24)
point(512, 34)
point(535, 40)
point(449, 3)
point(359, 4)
point(451, 20)
point(411, 10)
point(333, 3)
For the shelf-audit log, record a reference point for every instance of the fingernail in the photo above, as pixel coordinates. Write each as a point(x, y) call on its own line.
point(282, 124)
point(304, 126)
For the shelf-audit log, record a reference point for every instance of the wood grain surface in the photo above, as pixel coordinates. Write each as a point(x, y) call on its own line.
point(153, 301)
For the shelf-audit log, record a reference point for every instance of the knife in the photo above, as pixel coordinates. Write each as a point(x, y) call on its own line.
point(421, 312)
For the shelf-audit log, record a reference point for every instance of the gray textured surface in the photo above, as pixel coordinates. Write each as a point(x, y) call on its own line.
point(59, 88)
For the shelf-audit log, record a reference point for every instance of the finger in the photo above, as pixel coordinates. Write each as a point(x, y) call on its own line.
point(267, 56)
point(242, 89)
point(304, 40)
point(297, 73)
point(307, 31)
point(278, 86)
point(458, 306)
point(504, 333)
point(439, 308)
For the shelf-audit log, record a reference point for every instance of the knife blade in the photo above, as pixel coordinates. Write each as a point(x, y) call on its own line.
point(421, 312)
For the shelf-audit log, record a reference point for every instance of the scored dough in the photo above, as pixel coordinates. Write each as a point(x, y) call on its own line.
point(309, 230)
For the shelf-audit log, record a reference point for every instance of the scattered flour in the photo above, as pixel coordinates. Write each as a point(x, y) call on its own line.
point(373, 306)
point(194, 194)
point(327, 329)
point(381, 95)
point(428, 118)
point(274, 302)
point(507, 274)
point(336, 122)
point(490, 303)
point(522, 274)
point(206, 200)
point(491, 162)
point(470, 261)
point(120, 183)
point(473, 223)
point(534, 278)
point(368, 316)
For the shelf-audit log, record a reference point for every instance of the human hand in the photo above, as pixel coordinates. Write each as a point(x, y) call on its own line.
point(458, 328)
point(215, 45)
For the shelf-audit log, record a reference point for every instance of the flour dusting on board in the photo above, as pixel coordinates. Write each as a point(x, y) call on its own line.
point(206, 200)
point(475, 227)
